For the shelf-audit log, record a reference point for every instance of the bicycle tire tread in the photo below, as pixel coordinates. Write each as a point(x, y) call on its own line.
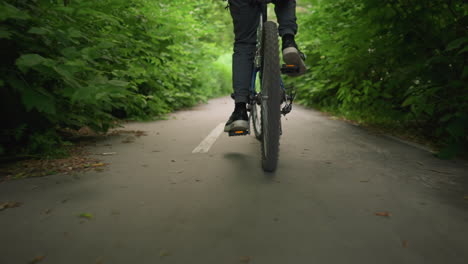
point(271, 88)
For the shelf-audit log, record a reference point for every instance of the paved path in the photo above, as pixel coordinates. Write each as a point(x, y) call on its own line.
point(158, 202)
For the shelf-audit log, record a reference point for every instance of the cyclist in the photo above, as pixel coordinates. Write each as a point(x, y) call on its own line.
point(245, 15)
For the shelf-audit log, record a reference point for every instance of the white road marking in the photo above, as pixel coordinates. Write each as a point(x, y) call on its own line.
point(206, 144)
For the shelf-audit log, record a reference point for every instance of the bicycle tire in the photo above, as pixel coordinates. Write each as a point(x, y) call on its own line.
point(271, 97)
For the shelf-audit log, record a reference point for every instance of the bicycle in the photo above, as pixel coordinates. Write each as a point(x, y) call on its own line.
point(266, 105)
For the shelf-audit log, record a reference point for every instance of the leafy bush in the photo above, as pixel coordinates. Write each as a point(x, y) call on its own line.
point(390, 62)
point(88, 63)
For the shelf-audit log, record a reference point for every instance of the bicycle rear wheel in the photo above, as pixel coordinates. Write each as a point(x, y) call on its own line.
point(271, 97)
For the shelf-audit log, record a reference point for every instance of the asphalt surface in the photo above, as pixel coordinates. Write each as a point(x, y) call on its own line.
point(340, 195)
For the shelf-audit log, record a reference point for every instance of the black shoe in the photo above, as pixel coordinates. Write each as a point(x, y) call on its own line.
point(292, 55)
point(239, 119)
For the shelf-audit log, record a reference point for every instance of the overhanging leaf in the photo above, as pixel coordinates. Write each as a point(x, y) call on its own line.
point(456, 43)
point(5, 33)
point(8, 11)
point(38, 31)
point(28, 61)
point(35, 100)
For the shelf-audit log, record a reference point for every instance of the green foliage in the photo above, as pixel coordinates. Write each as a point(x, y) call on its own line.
point(85, 64)
point(390, 62)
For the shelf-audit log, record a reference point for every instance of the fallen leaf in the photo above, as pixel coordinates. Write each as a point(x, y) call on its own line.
point(86, 215)
point(20, 175)
point(386, 214)
point(172, 160)
point(405, 243)
point(108, 153)
point(85, 131)
point(245, 259)
point(140, 133)
point(6, 205)
point(115, 212)
point(37, 259)
point(100, 164)
point(129, 140)
point(465, 197)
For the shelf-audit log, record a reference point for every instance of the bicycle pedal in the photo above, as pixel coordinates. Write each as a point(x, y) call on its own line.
point(238, 133)
point(289, 68)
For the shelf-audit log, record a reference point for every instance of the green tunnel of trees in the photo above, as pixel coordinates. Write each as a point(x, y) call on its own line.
point(70, 64)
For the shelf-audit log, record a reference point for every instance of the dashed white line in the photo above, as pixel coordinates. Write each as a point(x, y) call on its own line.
point(206, 144)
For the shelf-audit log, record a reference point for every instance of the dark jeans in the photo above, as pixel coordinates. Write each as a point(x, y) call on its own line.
point(245, 16)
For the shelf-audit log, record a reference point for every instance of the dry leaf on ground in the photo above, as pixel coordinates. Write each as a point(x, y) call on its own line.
point(6, 205)
point(79, 160)
point(386, 214)
point(128, 140)
point(115, 212)
point(37, 259)
point(164, 253)
point(137, 133)
point(108, 153)
point(405, 243)
point(245, 259)
point(465, 197)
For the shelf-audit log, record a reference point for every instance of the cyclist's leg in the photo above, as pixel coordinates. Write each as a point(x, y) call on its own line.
point(245, 18)
point(286, 12)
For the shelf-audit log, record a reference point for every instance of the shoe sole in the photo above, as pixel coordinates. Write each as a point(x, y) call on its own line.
point(291, 57)
point(237, 125)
